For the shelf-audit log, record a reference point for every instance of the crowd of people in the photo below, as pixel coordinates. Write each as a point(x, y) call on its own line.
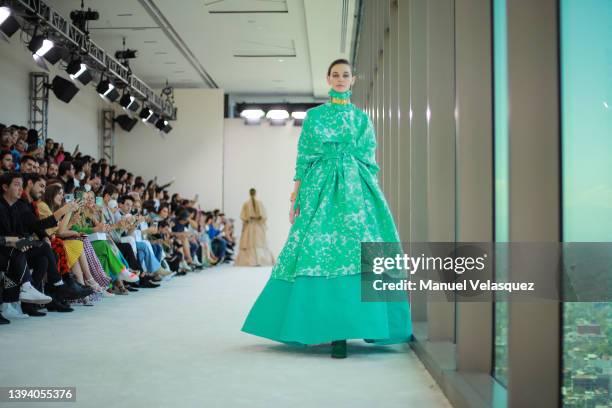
point(74, 229)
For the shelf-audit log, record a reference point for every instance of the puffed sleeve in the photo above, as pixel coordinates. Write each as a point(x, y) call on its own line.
point(307, 150)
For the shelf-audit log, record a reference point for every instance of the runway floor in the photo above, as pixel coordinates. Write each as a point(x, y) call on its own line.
point(181, 346)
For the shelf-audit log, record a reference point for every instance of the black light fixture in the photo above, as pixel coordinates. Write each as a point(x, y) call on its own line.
point(42, 47)
point(161, 123)
point(107, 90)
point(126, 123)
point(153, 118)
point(145, 113)
point(63, 89)
point(128, 102)
point(78, 70)
point(167, 129)
point(8, 23)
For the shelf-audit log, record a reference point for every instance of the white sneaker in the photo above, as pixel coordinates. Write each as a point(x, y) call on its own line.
point(29, 294)
point(129, 276)
point(13, 311)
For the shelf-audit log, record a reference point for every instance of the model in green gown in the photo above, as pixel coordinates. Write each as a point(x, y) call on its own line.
point(313, 295)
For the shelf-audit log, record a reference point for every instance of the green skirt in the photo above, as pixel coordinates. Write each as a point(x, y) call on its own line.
point(315, 310)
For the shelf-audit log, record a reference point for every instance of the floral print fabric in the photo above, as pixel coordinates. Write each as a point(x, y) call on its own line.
point(340, 202)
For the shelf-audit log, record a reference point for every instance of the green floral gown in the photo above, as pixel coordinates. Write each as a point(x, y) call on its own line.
point(313, 295)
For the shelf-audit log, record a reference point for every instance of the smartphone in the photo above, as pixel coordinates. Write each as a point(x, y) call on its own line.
point(69, 198)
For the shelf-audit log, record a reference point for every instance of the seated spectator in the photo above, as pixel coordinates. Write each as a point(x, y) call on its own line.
point(6, 161)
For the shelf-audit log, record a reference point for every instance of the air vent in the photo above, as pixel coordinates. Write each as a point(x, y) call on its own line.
point(125, 15)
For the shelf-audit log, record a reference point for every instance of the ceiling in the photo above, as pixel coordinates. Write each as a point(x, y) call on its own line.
point(246, 47)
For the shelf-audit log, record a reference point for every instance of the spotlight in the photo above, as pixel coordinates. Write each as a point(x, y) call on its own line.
point(145, 114)
point(78, 70)
point(81, 17)
point(63, 89)
point(277, 117)
point(298, 117)
point(107, 90)
point(42, 47)
point(252, 116)
point(128, 102)
point(126, 54)
point(8, 24)
point(163, 125)
point(125, 122)
point(153, 118)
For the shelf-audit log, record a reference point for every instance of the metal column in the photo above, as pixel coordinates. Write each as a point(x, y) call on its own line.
point(39, 103)
point(108, 135)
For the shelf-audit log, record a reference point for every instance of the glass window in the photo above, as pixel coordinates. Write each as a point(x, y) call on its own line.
point(586, 99)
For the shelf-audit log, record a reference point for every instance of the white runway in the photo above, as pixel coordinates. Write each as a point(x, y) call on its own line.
point(181, 346)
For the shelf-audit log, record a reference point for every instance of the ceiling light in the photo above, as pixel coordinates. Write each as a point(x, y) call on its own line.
point(277, 114)
point(298, 117)
point(145, 113)
point(107, 90)
point(64, 89)
point(128, 102)
point(252, 116)
point(126, 123)
point(78, 70)
point(8, 24)
point(161, 124)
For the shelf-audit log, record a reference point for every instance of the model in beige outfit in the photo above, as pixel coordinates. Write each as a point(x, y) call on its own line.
point(253, 249)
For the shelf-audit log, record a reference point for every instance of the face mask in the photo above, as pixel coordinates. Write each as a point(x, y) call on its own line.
point(87, 187)
point(112, 204)
point(76, 183)
point(81, 175)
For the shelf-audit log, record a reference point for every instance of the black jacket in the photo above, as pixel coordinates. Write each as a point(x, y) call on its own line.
point(20, 219)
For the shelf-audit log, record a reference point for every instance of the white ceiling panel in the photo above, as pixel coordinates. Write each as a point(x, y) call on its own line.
point(246, 47)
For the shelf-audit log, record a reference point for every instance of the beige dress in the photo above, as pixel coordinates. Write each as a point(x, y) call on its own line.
point(253, 249)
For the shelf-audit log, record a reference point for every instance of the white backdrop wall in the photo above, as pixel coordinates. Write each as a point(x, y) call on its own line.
point(192, 153)
point(72, 124)
point(262, 157)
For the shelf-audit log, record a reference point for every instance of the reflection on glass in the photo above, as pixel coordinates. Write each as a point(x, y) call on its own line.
point(500, 74)
point(586, 92)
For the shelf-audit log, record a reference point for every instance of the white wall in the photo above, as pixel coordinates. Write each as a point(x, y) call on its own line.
point(262, 157)
point(72, 124)
point(192, 153)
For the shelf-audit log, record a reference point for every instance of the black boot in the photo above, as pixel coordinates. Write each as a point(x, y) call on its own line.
point(59, 306)
point(338, 349)
point(31, 310)
point(3, 320)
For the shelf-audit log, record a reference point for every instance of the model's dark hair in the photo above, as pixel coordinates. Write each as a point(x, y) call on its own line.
point(337, 62)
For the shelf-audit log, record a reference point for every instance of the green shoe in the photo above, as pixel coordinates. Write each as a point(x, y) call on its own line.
point(338, 349)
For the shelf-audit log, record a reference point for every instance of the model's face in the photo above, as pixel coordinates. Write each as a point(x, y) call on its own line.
point(341, 78)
